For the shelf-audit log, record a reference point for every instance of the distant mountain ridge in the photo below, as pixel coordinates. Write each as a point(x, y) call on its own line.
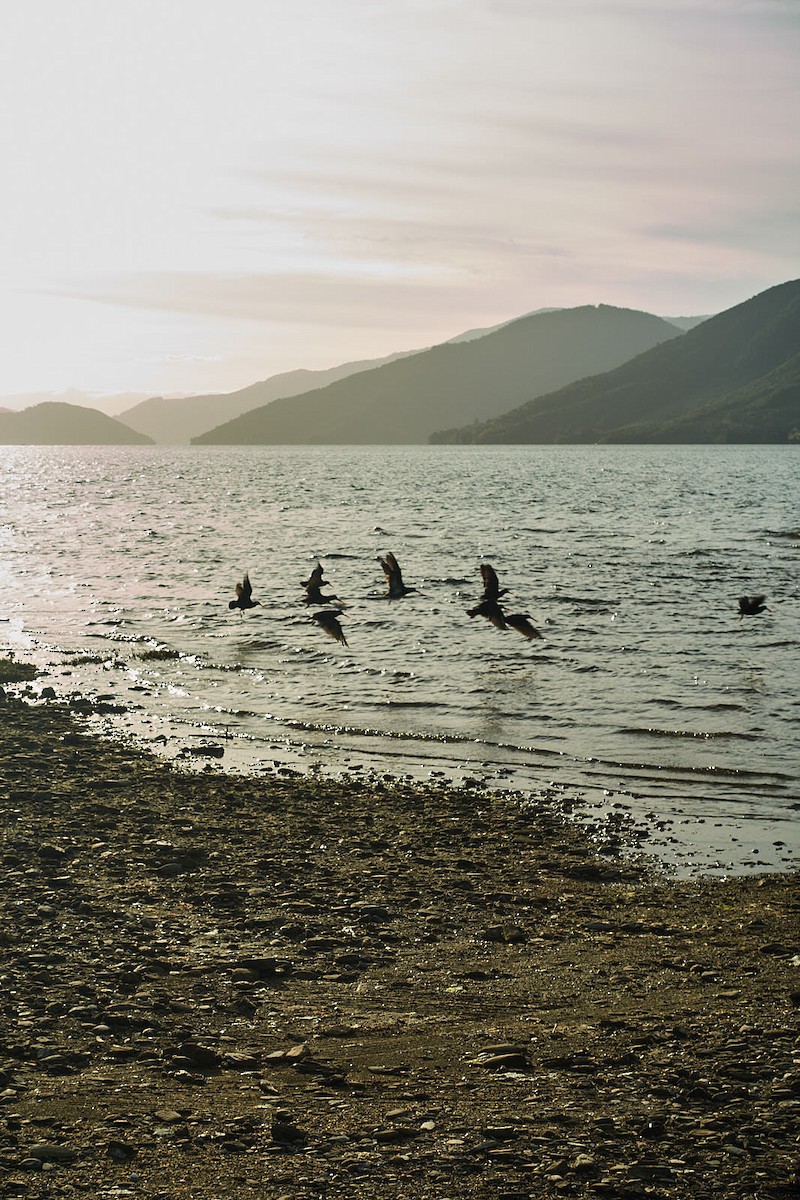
point(57, 424)
point(111, 403)
point(735, 377)
point(179, 419)
point(406, 400)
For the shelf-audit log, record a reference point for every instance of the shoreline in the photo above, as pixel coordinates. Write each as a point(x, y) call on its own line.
point(227, 986)
point(703, 845)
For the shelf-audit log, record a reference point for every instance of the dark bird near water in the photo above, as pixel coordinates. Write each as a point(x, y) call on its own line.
point(491, 586)
point(244, 596)
point(522, 623)
point(394, 577)
point(491, 610)
point(314, 596)
point(314, 585)
point(315, 578)
point(329, 620)
point(750, 606)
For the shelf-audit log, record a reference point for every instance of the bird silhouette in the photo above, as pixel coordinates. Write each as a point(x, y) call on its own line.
point(313, 588)
point(394, 577)
point(328, 619)
point(244, 596)
point(314, 596)
point(522, 623)
point(491, 610)
point(315, 578)
point(491, 586)
point(750, 606)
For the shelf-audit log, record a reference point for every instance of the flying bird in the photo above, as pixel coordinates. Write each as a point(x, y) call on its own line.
point(522, 623)
point(491, 586)
point(244, 596)
point(314, 596)
point(491, 610)
point(394, 577)
point(750, 606)
point(328, 619)
point(313, 588)
point(314, 579)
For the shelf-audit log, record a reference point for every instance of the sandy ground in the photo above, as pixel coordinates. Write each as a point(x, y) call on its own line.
point(219, 986)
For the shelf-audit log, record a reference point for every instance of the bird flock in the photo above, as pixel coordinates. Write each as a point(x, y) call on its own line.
point(327, 618)
point(488, 606)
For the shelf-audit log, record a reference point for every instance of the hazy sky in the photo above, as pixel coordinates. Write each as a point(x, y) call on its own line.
point(200, 193)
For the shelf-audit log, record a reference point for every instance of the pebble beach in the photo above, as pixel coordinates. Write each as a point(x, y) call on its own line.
point(223, 986)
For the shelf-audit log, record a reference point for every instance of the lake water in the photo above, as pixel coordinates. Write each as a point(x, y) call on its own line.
point(649, 700)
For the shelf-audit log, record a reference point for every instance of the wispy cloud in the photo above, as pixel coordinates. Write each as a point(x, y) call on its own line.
point(189, 178)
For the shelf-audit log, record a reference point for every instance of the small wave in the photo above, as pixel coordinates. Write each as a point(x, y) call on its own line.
point(585, 601)
point(790, 535)
point(723, 706)
point(654, 731)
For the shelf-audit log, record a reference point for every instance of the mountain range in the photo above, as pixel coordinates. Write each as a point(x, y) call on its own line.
point(179, 419)
point(408, 399)
point(588, 374)
point(734, 378)
point(113, 404)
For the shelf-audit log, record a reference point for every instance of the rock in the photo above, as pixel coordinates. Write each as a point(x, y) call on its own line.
point(51, 1152)
point(240, 1061)
point(204, 1057)
point(284, 1130)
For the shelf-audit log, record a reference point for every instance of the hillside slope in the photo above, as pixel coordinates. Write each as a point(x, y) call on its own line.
point(735, 377)
point(57, 424)
point(172, 420)
point(406, 400)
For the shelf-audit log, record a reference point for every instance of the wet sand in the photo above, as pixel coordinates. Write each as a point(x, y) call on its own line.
point(222, 986)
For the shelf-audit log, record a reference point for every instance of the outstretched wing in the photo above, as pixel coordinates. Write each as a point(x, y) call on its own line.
point(522, 624)
point(491, 610)
point(329, 622)
point(390, 568)
point(315, 578)
point(244, 590)
point(491, 587)
point(394, 575)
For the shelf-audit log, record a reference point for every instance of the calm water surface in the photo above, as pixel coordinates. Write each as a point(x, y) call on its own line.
point(648, 691)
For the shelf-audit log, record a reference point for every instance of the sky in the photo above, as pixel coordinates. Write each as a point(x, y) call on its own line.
point(199, 194)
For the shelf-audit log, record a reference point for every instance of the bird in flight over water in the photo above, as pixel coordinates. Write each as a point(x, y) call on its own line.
point(750, 606)
point(314, 596)
point(488, 605)
point(315, 578)
point(491, 610)
point(313, 588)
point(491, 586)
point(522, 623)
point(329, 620)
point(244, 596)
point(394, 577)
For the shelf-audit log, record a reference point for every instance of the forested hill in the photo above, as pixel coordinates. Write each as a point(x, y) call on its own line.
point(734, 378)
point(406, 400)
point(57, 424)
